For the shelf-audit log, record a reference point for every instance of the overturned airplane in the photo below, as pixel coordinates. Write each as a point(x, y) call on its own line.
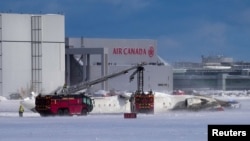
point(118, 102)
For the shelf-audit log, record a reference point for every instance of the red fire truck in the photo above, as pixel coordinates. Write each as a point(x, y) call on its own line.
point(141, 102)
point(73, 104)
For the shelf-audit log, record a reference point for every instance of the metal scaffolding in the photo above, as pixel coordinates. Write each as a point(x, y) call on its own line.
point(36, 53)
point(1, 69)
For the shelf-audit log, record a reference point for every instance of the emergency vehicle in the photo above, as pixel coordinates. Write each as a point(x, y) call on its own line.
point(140, 101)
point(73, 104)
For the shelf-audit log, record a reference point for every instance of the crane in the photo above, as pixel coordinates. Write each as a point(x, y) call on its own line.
point(86, 85)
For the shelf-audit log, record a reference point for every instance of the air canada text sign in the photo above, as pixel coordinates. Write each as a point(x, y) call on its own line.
point(134, 51)
point(235, 132)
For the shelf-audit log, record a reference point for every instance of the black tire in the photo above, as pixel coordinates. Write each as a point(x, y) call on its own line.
point(43, 115)
point(84, 112)
point(66, 112)
point(60, 112)
point(151, 112)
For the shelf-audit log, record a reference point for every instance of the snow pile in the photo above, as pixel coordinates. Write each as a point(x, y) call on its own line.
point(2, 98)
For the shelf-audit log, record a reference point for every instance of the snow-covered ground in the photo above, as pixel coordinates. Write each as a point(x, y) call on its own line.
point(169, 126)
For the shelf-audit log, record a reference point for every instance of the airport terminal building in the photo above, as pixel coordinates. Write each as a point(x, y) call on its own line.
point(213, 73)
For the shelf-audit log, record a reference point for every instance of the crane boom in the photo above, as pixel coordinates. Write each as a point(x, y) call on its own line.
point(85, 85)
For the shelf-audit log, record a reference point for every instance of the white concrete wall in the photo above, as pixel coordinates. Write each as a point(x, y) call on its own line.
point(16, 27)
point(53, 66)
point(53, 59)
point(16, 67)
point(16, 52)
point(53, 28)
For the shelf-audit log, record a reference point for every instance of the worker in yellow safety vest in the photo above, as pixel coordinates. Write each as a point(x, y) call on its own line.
point(21, 110)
